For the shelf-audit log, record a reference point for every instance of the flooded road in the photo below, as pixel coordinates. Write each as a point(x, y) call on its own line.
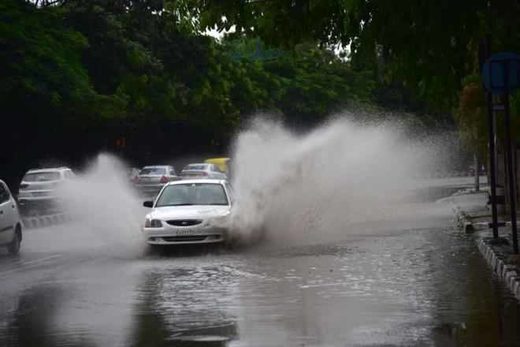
point(408, 281)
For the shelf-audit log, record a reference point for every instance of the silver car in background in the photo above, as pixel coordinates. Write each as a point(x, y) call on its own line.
point(37, 192)
point(151, 179)
point(189, 212)
point(203, 170)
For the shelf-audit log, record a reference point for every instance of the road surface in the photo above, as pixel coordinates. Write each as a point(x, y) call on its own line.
point(412, 280)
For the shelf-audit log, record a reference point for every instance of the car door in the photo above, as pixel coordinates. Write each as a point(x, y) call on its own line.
point(7, 215)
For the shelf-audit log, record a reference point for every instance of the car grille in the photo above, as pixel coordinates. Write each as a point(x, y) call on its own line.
point(184, 238)
point(184, 222)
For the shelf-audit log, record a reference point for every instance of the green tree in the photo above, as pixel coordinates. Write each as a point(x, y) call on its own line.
point(89, 72)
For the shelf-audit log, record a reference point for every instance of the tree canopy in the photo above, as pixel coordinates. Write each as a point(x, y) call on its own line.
point(89, 72)
point(77, 75)
point(429, 45)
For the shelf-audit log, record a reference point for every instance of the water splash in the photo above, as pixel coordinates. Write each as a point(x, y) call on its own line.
point(102, 204)
point(319, 185)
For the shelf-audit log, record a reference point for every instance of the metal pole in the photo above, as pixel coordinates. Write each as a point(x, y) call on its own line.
point(510, 174)
point(492, 164)
point(484, 53)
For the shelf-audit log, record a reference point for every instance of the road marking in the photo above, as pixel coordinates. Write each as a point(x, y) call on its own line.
point(30, 264)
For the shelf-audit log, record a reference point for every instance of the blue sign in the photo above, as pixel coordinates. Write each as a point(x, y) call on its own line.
point(501, 72)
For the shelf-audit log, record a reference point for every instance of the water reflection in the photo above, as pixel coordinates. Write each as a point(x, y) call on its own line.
point(350, 296)
point(33, 320)
point(471, 308)
point(411, 287)
point(423, 287)
point(185, 306)
point(82, 305)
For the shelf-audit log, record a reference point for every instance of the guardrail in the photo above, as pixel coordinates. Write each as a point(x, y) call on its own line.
point(45, 221)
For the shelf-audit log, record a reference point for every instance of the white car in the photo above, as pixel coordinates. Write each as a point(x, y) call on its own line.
point(203, 170)
point(10, 222)
point(38, 188)
point(189, 212)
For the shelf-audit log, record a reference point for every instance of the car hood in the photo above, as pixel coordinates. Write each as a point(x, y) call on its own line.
point(188, 212)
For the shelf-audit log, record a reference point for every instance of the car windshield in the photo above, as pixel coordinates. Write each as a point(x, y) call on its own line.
point(41, 176)
point(153, 171)
point(193, 194)
point(195, 167)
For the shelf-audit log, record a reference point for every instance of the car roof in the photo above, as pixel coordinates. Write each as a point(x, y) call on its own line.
point(197, 180)
point(155, 166)
point(49, 170)
point(201, 164)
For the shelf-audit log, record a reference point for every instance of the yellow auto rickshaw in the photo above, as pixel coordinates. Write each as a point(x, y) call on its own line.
point(222, 163)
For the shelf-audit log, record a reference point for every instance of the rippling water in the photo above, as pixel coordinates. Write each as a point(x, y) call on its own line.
point(414, 283)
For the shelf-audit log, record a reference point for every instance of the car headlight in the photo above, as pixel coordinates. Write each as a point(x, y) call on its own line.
point(152, 223)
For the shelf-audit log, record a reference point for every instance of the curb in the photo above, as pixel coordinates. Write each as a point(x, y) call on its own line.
point(45, 221)
point(463, 220)
point(508, 273)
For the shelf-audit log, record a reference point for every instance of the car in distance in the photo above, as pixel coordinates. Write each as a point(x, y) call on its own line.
point(189, 212)
point(132, 173)
point(223, 163)
point(203, 170)
point(152, 178)
point(37, 190)
point(10, 221)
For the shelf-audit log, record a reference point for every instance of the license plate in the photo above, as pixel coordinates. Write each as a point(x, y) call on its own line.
point(187, 232)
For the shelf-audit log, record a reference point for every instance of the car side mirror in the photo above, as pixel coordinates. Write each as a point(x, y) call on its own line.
point(148, 204)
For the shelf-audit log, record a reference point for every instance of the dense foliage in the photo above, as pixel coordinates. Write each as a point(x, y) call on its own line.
point(428, 47)
point(79, 75)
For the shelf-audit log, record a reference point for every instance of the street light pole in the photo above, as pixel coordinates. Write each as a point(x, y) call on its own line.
point(510, 172)
point(492, 164)
point(484, 53)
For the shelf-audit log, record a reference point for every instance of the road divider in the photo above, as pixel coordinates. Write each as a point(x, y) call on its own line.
point(45, 221)
point(503, 265)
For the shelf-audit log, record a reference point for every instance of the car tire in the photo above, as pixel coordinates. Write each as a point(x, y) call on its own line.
point(14, 247)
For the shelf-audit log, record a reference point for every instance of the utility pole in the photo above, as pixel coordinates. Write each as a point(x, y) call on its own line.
point(485, 51)
point(501, 75)
point(510, 172)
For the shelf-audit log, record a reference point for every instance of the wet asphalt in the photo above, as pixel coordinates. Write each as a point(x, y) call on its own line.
point(410, 281)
